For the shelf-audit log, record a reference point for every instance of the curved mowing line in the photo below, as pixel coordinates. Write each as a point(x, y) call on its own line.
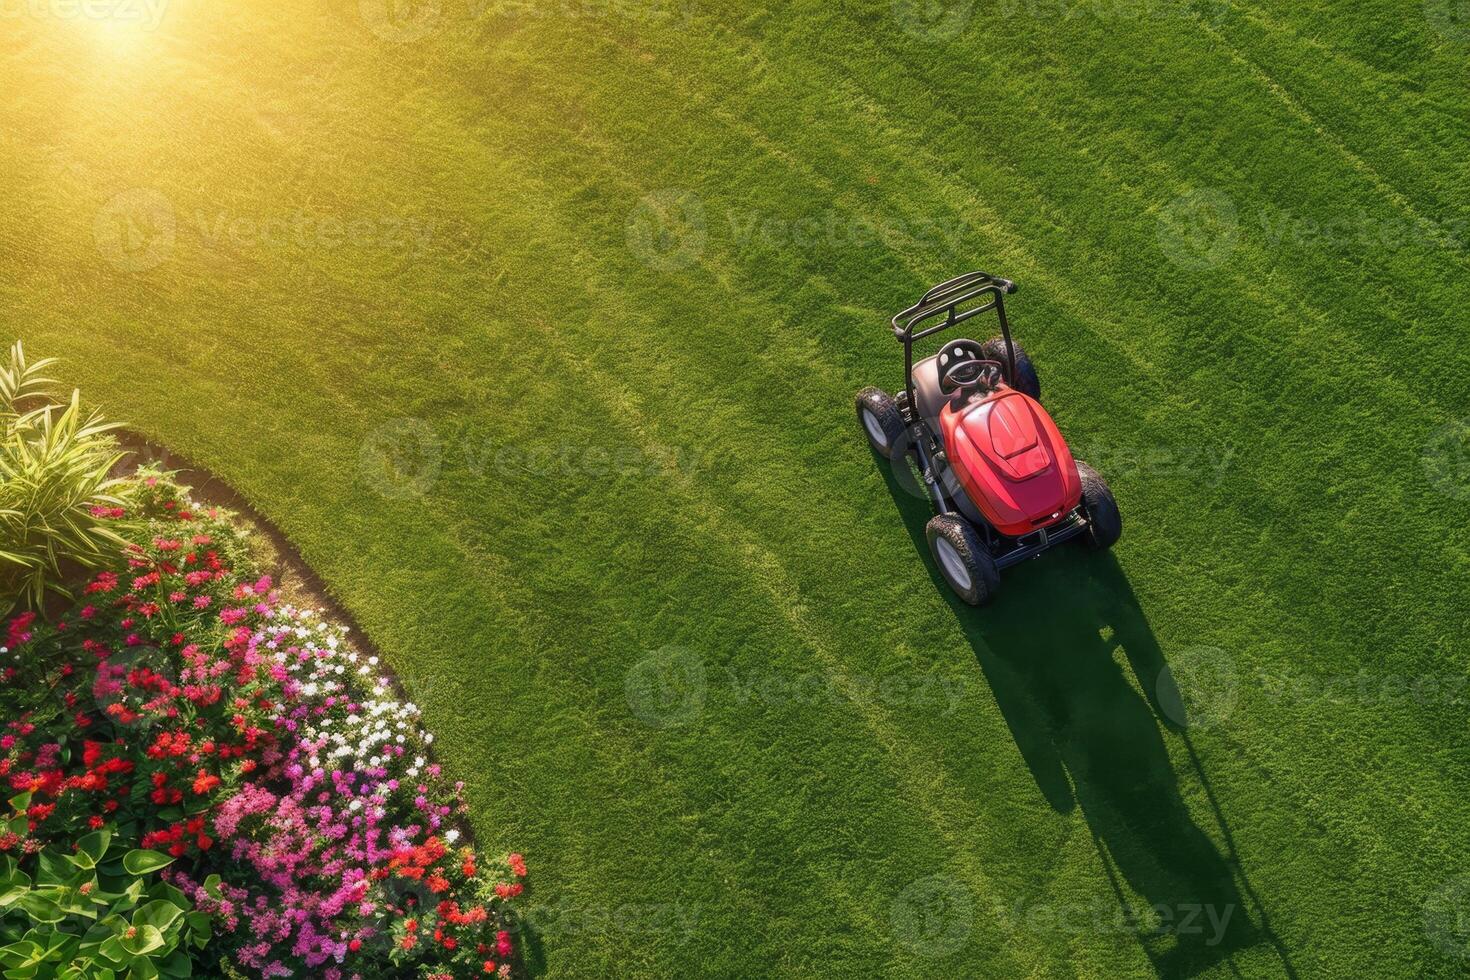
point(1118, 337)
point(1371, 74)
point(1300, 112)
point(992, 222)
point(1249, 285)
point(1392, 123)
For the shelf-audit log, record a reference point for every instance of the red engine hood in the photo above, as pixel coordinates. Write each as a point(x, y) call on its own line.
point(1011, 461)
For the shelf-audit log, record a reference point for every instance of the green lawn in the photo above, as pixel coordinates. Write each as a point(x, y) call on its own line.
point(536, 326)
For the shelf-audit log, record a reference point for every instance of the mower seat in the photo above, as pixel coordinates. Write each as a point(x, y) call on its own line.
point(928, 398)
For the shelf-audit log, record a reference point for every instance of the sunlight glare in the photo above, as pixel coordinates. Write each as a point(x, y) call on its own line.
point(115, 22)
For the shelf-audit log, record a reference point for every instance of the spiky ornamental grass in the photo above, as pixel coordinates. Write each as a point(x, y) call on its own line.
point(57, 491)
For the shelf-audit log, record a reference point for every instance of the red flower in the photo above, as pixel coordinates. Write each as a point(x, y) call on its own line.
point(16, 633)
point(104, 582)
point(204, 782)
point(91, 754)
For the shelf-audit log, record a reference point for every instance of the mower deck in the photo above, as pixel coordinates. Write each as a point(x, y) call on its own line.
point(1007, 552)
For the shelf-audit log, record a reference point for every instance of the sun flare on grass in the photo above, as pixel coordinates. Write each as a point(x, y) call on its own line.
point(114, 23)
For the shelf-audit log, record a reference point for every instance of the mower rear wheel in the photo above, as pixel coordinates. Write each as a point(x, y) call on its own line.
point(1026, 380)
point(880, 419)
point(963, 559)
point(1104, 521)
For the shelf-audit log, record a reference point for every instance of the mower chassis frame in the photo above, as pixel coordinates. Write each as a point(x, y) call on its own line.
point(957, 300)
point(950, 300)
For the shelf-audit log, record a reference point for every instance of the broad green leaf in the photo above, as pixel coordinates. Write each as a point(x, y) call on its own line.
point(144, 941)
point(54, 869)
point(177, 965)
point(160, 914)
point(18, 953)
point(95, 845)
point(112, 950)
point(41, 909)
point(143, 968)
point(145, 862)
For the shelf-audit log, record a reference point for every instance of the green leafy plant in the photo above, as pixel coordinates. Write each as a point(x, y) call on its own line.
point(99, 912)
point(58, 495)
point(22, 383)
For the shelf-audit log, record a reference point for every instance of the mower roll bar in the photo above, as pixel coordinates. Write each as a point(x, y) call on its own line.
point(949, 299)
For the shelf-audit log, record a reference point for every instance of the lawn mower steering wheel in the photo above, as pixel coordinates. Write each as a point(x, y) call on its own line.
point(961, 368)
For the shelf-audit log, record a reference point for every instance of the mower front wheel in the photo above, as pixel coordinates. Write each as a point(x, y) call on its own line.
point(1104, 521)
point(879, 416)
point(963, 559)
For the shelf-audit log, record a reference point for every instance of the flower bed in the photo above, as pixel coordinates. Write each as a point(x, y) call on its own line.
point(288, 796)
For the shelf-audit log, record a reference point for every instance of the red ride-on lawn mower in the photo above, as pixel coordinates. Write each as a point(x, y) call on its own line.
point(1002, 479)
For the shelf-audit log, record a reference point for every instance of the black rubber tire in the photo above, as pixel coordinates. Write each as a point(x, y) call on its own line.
point(1104, 521)
point(973, 557)
point(1026, 380)
point(886, 420)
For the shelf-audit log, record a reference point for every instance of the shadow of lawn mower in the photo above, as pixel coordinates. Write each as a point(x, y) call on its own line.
point(1001, 477)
